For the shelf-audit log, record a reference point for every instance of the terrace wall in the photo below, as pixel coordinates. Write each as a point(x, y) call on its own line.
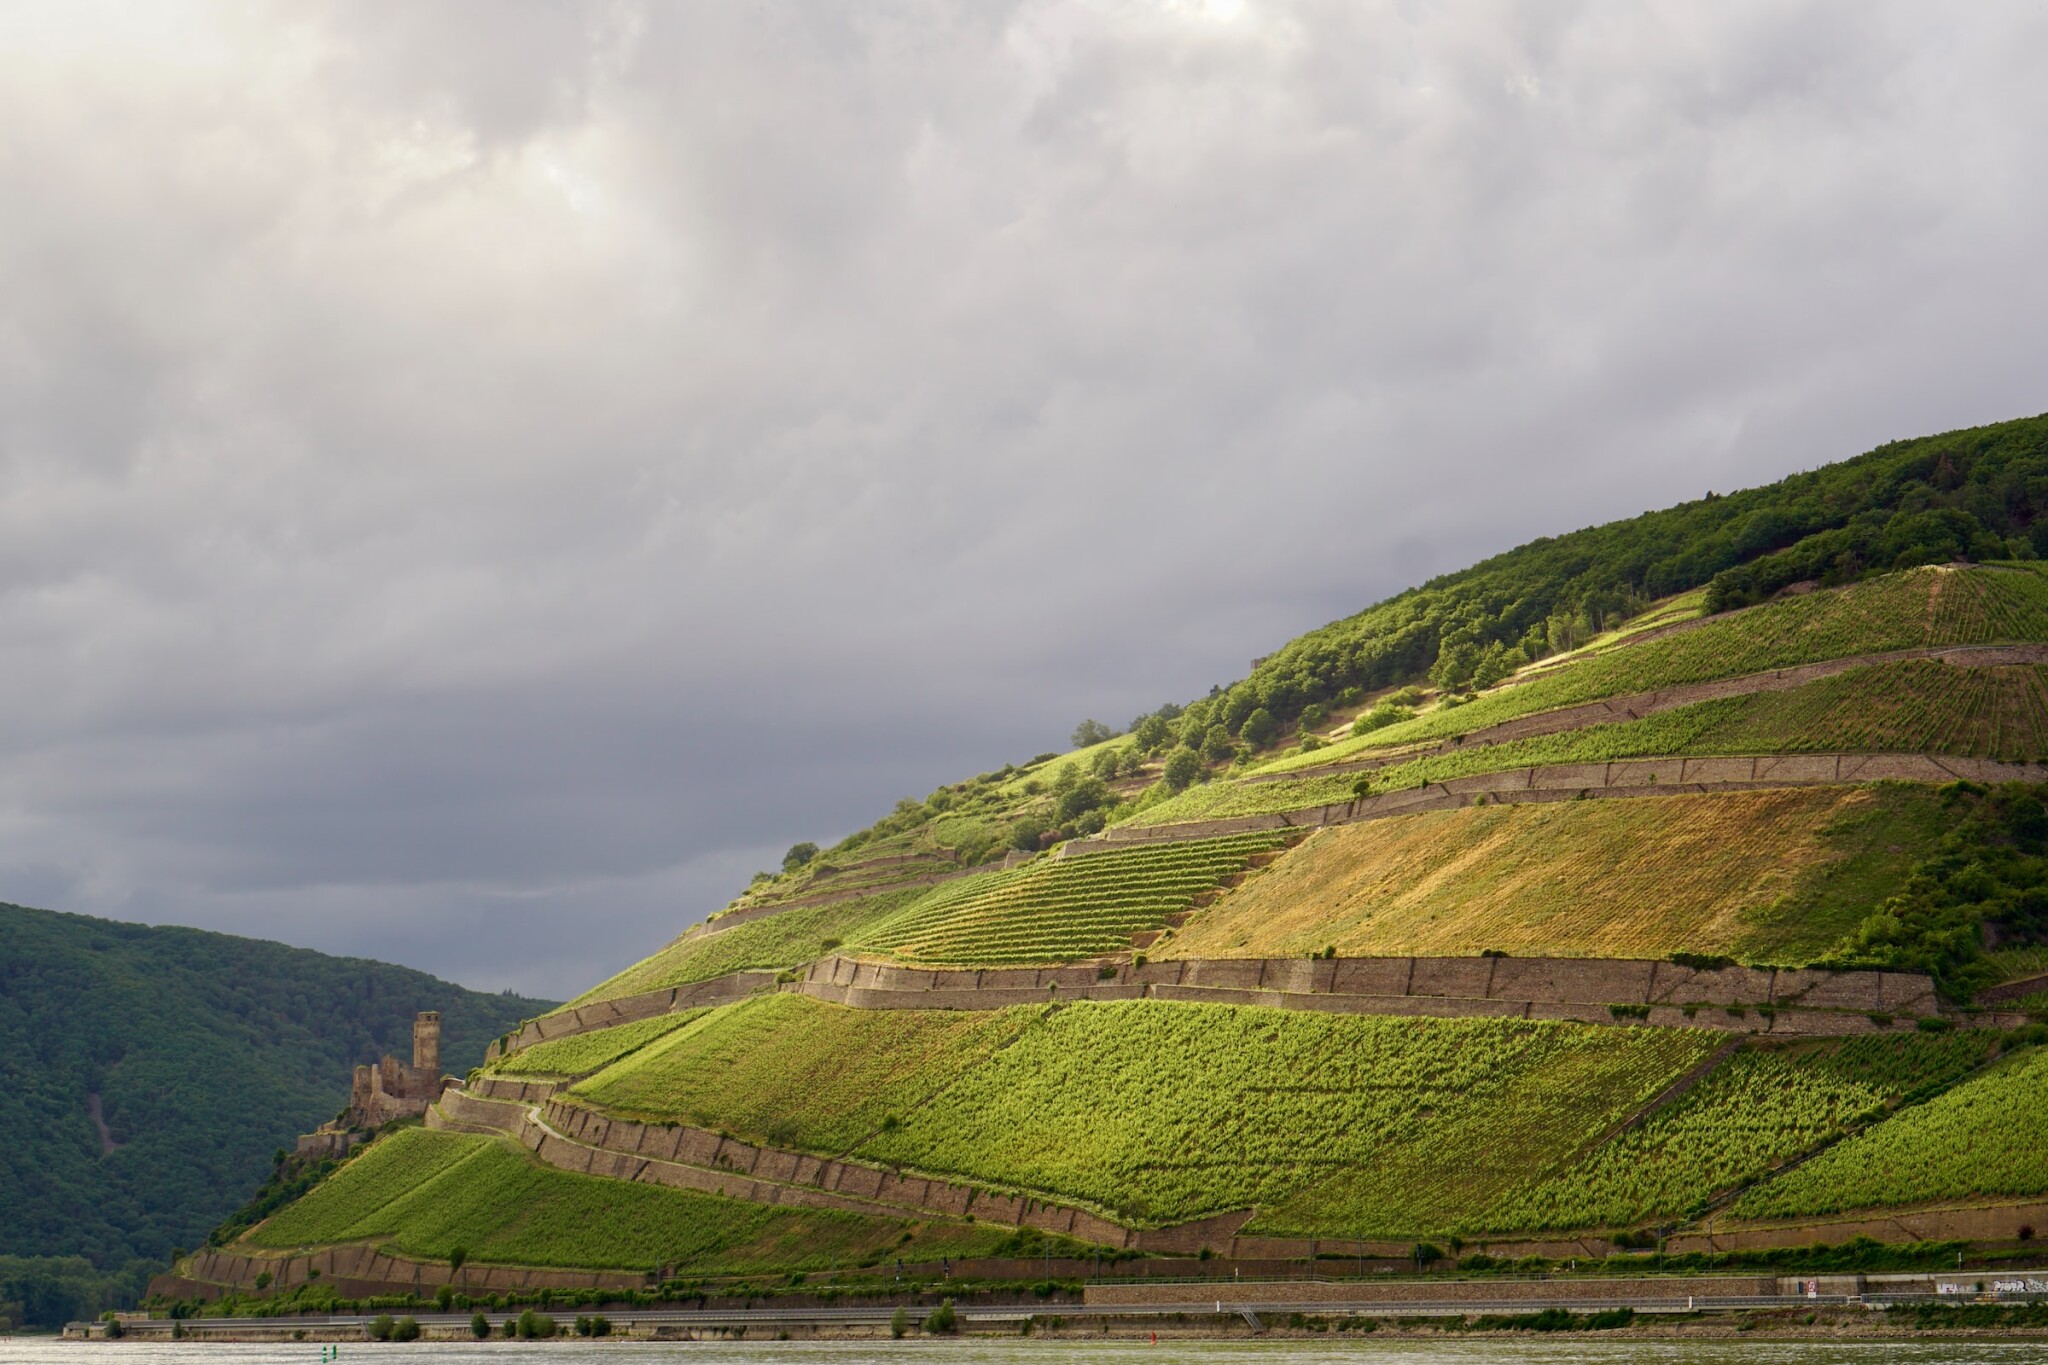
point(1580, 781)
point(1800, 1002)
point(625, 1009)
point(1636, 705)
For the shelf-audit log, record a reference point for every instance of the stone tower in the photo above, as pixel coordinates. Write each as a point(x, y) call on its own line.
point(426, 1044)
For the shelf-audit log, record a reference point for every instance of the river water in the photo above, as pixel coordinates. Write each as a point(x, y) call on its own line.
point(1486, 1351)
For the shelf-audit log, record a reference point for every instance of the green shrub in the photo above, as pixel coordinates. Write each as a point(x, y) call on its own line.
point(406, 1329)
point(942, 1319)
point(535, 1326)
point(899, 1322)
point(381, 1327)
point(479, 1326)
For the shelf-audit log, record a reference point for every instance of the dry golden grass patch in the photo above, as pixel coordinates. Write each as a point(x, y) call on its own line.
point(1779, 874)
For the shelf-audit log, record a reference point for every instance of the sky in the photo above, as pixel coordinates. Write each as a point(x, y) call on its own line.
point(477, 480)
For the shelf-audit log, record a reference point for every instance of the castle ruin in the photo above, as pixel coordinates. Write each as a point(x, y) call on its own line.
point(388, 1090)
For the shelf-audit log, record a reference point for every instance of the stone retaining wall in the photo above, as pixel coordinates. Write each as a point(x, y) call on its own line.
point(519, 1092)
point(680, 1156)
point(727, 919)
point(1576, 781)
point(1768, 1000)
point(357, 1271)
point(1955, 1222)
point(1640, 704)
point(2013, 990)
point(625, 1009)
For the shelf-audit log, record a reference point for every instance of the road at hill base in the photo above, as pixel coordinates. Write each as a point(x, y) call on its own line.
point(1495, 1349)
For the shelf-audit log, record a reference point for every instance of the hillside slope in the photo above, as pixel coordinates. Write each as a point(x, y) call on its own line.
point(200, 1054)
point(1617, 889)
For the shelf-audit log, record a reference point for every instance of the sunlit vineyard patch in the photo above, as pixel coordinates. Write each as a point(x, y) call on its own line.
point(1910, 706)
point(1059, 909)
point(1767, 876)
point(583, 1053)
point(1920, 608)
point(783, 939)
point(1330, 1124)
point(795, 1072)
point(1759, 1109)
point(427, 1193)
point(1986, 1138)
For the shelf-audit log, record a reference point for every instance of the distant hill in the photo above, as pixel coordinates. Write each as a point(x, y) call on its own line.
point(148, 1074)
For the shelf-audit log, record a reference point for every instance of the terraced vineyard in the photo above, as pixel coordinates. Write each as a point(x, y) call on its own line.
point(783, 939)
point(1912, 706)
point(1758, 1110)
point(1984, 1139)
point(1333, 1125)
point(427, 1193)
point(1917, 609)
point(791, 1071)
point(1327, 1126)
point(1059, 909)
point(583, 1053)
point(391, 1168)
point(1769, 876)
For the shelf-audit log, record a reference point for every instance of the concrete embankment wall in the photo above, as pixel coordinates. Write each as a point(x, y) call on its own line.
point(1589, 781)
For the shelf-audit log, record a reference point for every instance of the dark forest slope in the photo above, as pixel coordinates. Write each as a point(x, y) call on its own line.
point(202, 1053)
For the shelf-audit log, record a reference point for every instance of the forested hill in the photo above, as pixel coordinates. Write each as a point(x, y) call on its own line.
point(1976, 494)
point(202, 1053)
point(1980, 493)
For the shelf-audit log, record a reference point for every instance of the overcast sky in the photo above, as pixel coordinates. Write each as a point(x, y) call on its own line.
point(477, 480)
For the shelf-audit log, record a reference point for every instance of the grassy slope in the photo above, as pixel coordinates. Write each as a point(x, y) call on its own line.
point(1984, 1139)
point(1331, 1125)
point(1772, 876)
point(1917, 609)
point(788, 1070)
point(1162, 1112)
point(1056, 910)
point(208, 1052)
point(784, 939)
point(1904, 707)
point(1759, 1109)
point(583, 1053)
point(426, 1193)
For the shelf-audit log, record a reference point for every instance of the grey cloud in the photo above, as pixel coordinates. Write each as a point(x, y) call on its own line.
point(476, 480)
